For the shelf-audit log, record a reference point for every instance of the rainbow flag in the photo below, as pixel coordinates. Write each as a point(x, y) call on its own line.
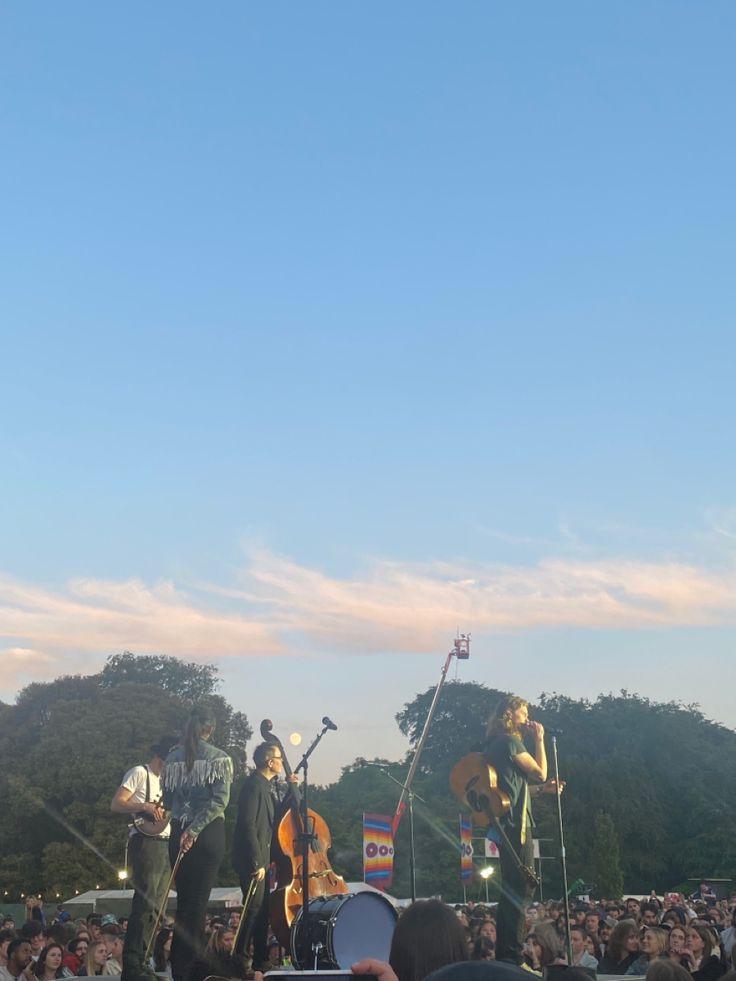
point(378, 851)
point(466, 847)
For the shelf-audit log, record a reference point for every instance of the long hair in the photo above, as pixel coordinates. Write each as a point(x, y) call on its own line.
point(428, 936)
point(706, 936)
point(39, 968)
point(550, 942)
point(159, 954)
point(501, 722)
point(201, 720)
point(215, 944)
point(616, 950)
point(90, 968)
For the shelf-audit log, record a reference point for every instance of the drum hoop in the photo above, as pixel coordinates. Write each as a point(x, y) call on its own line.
point(328, 924)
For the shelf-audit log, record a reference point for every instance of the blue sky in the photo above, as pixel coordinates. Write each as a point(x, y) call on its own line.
point(329, 328)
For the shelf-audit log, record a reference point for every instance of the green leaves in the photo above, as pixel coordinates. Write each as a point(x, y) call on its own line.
point(66, 747)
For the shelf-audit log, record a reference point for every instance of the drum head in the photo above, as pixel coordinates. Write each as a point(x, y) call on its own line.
point(345, 929)
point(363, 927)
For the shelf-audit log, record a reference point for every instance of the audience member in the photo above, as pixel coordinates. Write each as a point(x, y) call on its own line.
point(653, 947)
point(20, 962)
point(94, 961)
point(622, 949)
point(49, 965)
point(427, 936)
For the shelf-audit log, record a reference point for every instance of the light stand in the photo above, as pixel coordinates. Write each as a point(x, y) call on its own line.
point(485, 875)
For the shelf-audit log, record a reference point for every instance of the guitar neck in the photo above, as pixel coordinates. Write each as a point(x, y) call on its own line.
point(524, 869)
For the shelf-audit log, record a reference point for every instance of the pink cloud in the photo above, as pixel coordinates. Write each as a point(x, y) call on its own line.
point(280, 607)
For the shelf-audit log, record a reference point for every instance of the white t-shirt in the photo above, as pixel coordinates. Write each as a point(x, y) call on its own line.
point(135, 781)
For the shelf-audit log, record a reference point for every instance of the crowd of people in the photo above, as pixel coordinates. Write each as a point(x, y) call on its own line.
point(664, 940)
point(93, 946)
point(176, 804)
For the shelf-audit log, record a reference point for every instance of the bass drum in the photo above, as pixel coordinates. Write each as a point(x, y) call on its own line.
point(343, 929)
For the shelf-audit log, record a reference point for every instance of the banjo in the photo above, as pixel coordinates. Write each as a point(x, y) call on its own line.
point(146, 824)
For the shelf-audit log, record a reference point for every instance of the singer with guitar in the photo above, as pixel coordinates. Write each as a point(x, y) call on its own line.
point(516, 769)
point(139, 796)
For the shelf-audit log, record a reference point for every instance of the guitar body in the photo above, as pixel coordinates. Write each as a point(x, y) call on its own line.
point(475, 784)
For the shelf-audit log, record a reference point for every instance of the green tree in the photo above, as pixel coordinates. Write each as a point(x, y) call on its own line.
point(66, 745)
point(606, 865)
point(191, 682)
point(458, 726)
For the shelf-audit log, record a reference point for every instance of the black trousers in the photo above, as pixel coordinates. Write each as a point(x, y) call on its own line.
point(194, 880)
point(516, 894)
point(149, 861)
point(255, 922)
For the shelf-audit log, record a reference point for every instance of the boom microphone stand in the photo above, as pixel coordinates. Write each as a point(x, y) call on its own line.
point(411, 794)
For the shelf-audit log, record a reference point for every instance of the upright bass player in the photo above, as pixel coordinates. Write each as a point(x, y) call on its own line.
point(257, 807)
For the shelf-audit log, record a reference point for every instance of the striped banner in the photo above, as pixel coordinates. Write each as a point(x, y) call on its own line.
point(466, 848)
point(378, 851)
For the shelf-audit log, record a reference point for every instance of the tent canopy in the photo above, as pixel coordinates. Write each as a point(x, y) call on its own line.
point(118, 901)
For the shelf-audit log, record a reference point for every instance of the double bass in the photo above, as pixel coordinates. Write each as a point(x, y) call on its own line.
point(287, 851)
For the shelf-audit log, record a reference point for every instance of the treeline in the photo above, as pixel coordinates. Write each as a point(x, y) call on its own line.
point(650, 794)
point(64, 747)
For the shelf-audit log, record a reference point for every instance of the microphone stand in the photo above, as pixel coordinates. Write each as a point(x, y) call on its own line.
point(306, 840)
point(563, 858)
point(411, 794)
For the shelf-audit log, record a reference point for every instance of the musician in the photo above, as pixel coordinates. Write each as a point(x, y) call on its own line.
point(252, 846)
point(516, 769)
point(140, 793)
point(196, 780)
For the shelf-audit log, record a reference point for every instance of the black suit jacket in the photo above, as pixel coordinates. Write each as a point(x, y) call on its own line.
point(253, 827)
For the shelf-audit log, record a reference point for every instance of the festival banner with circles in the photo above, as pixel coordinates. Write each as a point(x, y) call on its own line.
point(378, 851)
point(466, 847)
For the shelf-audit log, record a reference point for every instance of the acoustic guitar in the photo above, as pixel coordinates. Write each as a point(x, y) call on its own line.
point(475, 784)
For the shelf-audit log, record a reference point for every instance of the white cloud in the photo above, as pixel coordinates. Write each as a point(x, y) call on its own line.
point(280, 606)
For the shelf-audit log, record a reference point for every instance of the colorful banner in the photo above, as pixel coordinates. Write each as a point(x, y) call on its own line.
point(378, 851)
point(466, 848)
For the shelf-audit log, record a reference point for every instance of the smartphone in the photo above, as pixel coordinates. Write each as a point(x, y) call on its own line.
point(319, 975)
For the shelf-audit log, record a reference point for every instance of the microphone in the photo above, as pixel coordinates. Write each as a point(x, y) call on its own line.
point(549, 730)
point(329, 723)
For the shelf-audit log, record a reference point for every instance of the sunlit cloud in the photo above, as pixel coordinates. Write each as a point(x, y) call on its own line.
point(49, 632)
point(278, 606)
point(395, 606)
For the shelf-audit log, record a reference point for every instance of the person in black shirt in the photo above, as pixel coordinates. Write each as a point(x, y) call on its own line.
point(252, 846)
point(516, 768)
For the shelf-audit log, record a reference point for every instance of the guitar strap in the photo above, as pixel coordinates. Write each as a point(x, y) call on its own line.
point(148, 783)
